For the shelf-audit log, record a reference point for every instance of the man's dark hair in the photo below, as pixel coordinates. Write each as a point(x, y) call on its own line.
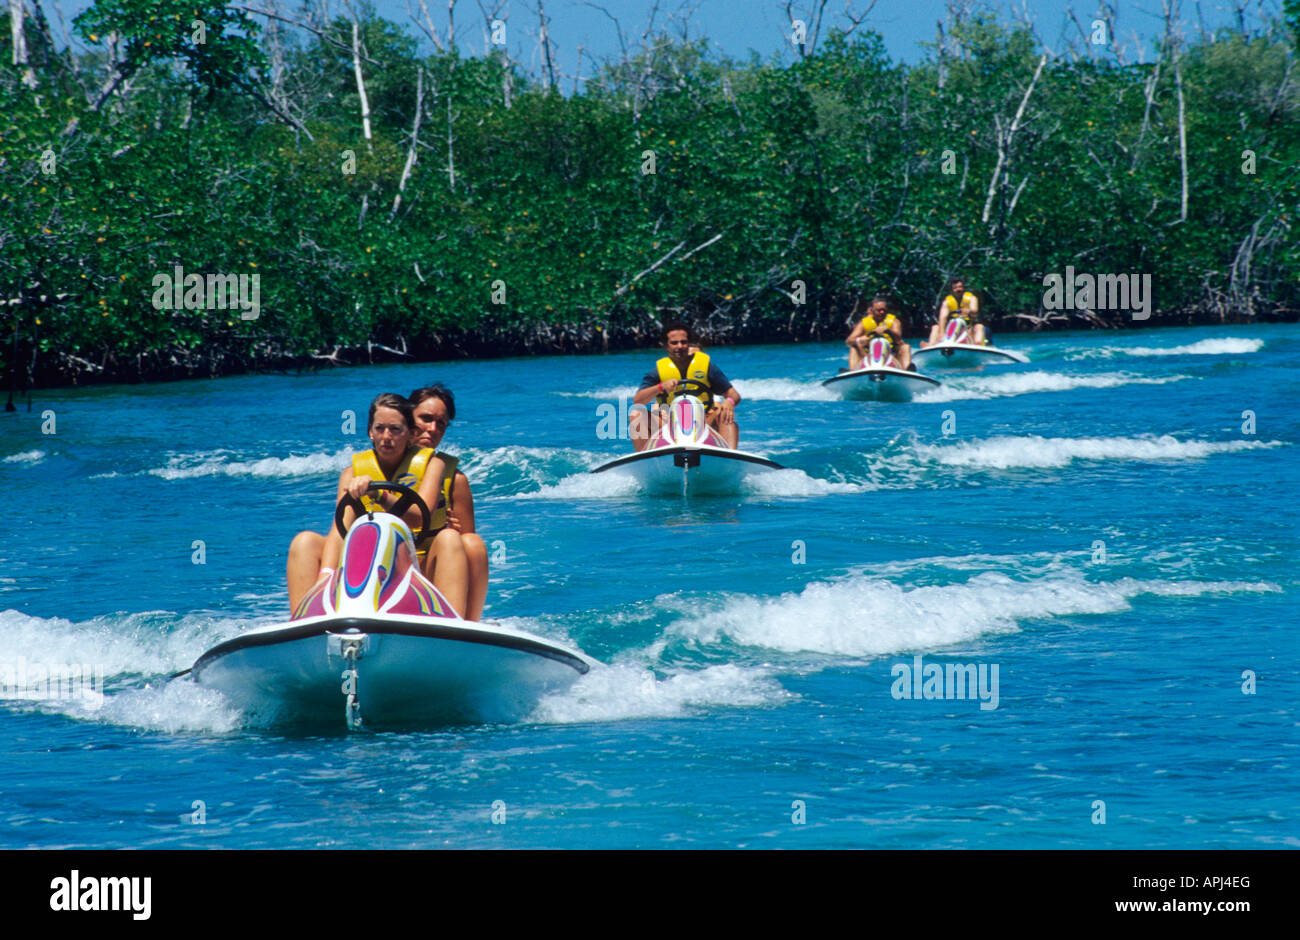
point(675, 325)
point(439, 391)
point(397, 403)
point(955, 281)
point(862, 305)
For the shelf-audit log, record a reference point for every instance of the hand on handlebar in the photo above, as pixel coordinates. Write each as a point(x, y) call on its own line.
point(358, 486)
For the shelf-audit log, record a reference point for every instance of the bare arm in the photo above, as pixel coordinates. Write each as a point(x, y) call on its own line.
point(648, 394)
point(333, 541)
point(430, 487)
point(462, 519)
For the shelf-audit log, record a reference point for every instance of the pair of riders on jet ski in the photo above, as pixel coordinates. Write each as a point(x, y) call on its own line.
point(874, 320)
point(685, 363)
point(405, 433)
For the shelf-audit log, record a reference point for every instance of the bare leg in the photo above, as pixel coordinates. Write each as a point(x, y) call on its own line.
point(978, 333)
point(905, 355)
point(303, 569)
point(730, 431)
point(936, 331)
point(476, 557)
point(446, 567)
point(855, 358)
point(638, 427)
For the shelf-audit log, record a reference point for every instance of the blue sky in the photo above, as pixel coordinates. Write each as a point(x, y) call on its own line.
point(735, 27)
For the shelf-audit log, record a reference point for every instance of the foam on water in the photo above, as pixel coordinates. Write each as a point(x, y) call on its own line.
point(753, 389)
point(171, 707)
point(791, 482)
point(218, 463)
point(625, 690)
point(1228, 345)
point(134, 644)
point(868, 617)
point(506, 468)
point(1003, 453)
point(608, 485)
point(1221, 346)
point(603, 394)
point(784, 390)
point(960, 388)
point(119, 651)
point(26, 457)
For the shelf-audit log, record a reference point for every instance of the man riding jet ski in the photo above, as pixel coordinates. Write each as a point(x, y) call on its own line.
point(685, 362)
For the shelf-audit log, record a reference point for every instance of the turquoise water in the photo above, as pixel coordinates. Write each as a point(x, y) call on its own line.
point(1100, 525)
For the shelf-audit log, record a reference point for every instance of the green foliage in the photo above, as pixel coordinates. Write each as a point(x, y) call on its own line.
point(842, 170)
point(217, 44)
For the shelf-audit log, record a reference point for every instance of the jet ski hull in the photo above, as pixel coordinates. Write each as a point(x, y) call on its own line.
point(882, 383)
point(965, 355)
point(409, 672)
point(697, 468)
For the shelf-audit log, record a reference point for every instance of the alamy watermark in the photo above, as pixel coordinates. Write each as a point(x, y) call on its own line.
point(951, 681)
point(89, 893)
point(1084, 291)
point(52, 682)
point(180, 291)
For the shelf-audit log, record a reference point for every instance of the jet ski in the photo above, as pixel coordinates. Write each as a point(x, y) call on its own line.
point(958, 350)
point(375, 645)
point(686, 455)
point(881, 377)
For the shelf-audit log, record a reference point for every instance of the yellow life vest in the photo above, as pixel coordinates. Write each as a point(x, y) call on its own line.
point(967, 302)
point(697, 369)
point(869, 322)
point(410, 472)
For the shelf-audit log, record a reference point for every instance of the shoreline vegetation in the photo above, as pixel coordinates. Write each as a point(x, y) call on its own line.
point(392, 205)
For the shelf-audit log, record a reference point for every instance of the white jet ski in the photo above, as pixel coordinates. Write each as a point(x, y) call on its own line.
point(687, 456)
point(957, 349)
point(880, 378)
point(376, 642)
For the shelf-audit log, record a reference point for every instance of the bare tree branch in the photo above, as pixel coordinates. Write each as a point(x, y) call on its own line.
point(1004, 142)
point(415, 136)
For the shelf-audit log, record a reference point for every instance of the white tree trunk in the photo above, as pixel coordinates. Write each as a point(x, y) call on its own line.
point(18, 37)
point(415, 139)
point(361, 85)
point(1004, 142)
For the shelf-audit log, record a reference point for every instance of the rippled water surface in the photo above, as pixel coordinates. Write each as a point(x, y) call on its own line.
point(1108, 529)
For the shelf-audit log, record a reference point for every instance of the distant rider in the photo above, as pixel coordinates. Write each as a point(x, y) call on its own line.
point(435, 409)
point(876, 322)
point(718, 395)
point(962, 300)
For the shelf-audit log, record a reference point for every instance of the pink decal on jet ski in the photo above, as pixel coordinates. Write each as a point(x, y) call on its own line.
point(359, 558)
point(956, 331)
point(685, 415)
point(313, 604)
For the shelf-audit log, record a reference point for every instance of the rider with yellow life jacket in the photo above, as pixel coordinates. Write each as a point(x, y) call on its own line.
point(874, 320)
point(707, 383)
point(397, 459)
point(963, 302)
point(435, 409)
